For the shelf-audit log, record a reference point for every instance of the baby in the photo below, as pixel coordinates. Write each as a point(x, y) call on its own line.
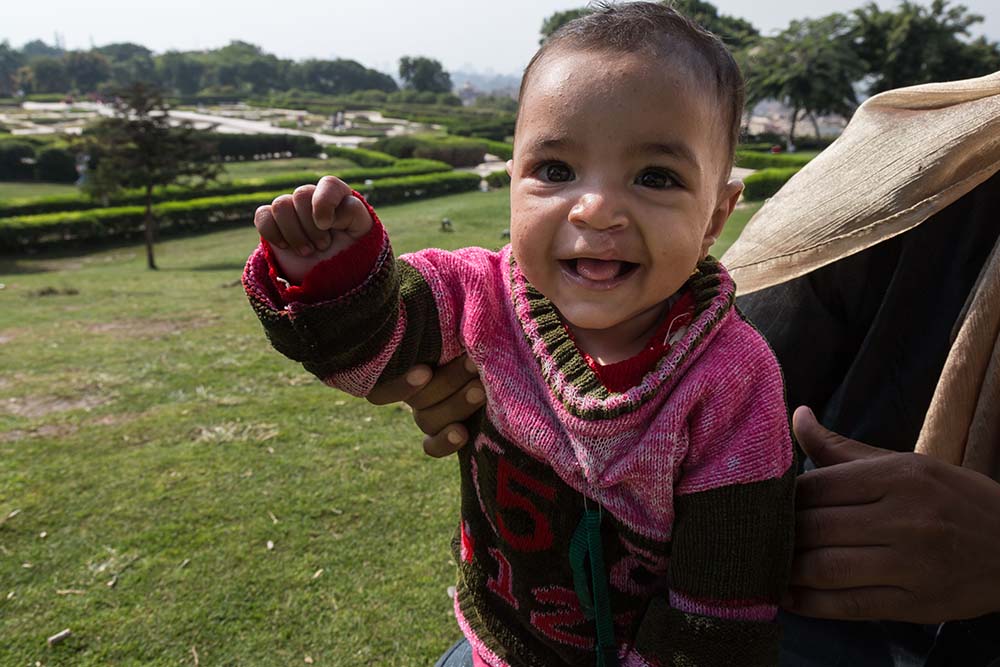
point(628, 496)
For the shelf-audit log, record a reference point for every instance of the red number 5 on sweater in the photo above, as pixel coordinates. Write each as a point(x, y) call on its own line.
point(508, 498)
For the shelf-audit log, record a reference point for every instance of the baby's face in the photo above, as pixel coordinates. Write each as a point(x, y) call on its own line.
point(617, 183)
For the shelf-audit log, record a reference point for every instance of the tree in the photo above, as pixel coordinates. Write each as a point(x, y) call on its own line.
point(49, 75)
point(180, 72)
point(139, 148)
point(87, 70)
point(736, 32)
point(558, 20)
point(917, 44)
point(10, 63)
point(424, 74)
point(811, 67)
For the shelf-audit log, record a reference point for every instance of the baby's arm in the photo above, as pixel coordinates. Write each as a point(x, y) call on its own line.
point(330, 294)
point(733, 527)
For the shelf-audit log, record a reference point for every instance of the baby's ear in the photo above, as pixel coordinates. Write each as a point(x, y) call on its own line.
point(729, 196)
point(510, 167)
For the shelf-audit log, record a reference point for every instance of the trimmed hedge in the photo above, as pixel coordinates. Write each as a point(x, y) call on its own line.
point(79, 202)
point(766, 182)
point(361, 156)
point(17, 161)
point(753, 160)
point(498, 179)
point(125, 222)
point(456, 151)
point(56, 165)
point(501, 149)
point(250, 146)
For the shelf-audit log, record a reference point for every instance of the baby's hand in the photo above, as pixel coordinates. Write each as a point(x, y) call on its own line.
point(313, 223)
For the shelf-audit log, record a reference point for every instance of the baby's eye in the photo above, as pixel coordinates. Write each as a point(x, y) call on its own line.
point(656, 178)
point(555, 172)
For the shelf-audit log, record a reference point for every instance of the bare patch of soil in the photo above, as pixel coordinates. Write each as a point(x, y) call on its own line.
point(39, 406)
point(44, 431)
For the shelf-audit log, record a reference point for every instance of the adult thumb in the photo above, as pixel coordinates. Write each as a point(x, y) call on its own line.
point(825, 447)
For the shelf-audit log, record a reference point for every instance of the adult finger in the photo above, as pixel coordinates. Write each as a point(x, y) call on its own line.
point(267, 226)
point(302, 200)
point(448, 380)
point(455, 408)
point(446, 441)
point(824, 446)
point(287, 219)
point(401, 388)
point(841, 568)
point(853, 483)
point(850, 525)
point(858, 604)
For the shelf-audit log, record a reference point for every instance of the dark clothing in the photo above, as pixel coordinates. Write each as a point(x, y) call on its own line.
point(862, 341)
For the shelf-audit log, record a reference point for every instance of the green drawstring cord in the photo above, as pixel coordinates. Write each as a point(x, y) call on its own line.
point(592, 588)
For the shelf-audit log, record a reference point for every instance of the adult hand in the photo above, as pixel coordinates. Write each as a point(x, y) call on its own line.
point(440, 399)
point(891, 536)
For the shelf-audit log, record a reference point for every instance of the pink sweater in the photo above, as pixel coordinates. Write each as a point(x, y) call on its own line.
point(691, 468)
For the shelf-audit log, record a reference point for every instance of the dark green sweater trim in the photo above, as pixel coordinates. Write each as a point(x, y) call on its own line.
point(672, 637)
point(719, 535)
point(571, 367)
point(340, 334)
point(421, 342)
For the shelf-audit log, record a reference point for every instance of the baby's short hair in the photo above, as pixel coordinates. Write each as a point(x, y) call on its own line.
point(634, 27)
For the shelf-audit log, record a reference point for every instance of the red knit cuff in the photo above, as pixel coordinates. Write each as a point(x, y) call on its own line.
point(337, 275)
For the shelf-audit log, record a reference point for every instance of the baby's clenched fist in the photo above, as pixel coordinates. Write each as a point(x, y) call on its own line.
point(313, 223)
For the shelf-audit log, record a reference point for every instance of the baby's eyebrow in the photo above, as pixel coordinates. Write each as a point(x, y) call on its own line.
point(542, 144)
point(677, 149)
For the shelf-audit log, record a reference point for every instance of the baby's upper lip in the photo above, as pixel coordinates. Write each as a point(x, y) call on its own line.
point(605, 256)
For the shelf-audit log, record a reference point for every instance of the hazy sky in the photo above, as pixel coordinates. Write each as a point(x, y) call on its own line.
point(498, 35)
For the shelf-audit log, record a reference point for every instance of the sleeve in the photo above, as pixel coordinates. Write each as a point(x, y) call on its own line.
point(732, 540)
point(360, 316)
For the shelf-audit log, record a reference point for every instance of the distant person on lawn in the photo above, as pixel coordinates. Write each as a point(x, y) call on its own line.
point(628, 498)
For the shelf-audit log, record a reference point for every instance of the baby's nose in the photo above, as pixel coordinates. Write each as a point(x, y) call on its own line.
point(597, 210)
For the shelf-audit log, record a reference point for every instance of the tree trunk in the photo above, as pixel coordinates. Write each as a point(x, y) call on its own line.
point(791, 131)
point(150, 228)
point(815, 124)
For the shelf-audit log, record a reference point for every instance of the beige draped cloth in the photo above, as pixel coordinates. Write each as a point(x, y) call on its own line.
point(906, 155)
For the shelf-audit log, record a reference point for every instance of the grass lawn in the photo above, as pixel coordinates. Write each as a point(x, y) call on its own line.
point(171, 487)
point(264, 168)
point(27, 189)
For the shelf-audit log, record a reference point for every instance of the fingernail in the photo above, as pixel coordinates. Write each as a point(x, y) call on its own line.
point(305, 251)
point(470, 365)
point(418, 377)
point(475, 395)
point(282, 245)
point(323, 243)
point(454, 437)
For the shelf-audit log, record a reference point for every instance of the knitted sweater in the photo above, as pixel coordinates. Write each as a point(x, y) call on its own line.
point(691, 469)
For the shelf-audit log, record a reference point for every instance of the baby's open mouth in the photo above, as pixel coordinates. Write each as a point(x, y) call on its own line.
point(599, 270)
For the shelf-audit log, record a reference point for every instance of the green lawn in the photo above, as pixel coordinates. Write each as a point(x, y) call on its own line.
point(264, 168)
point(28, 189)
point(153, 446)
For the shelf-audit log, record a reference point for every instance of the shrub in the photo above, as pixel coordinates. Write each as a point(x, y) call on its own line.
point(456, 151)
point(501, 149)
point(56, 165)
point(17, 161)
point(361, 156)
point(250, 146)
point(498, 179)
point(57, 203)
point(752, 160)
point(201, 214)
point(766, 182)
